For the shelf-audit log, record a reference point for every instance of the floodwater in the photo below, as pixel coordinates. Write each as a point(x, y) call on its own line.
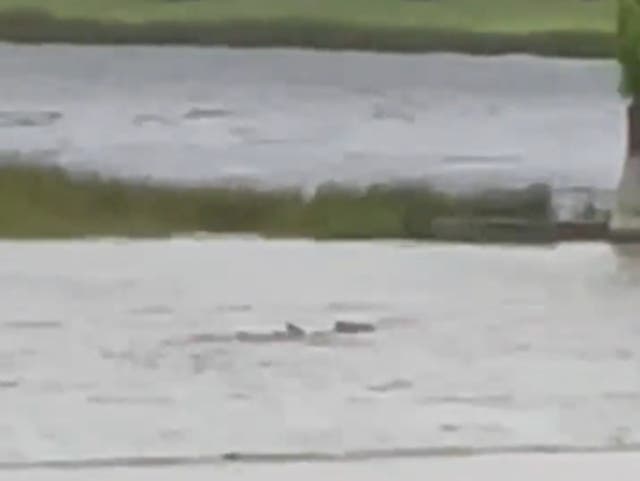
point(117, 350)
point(126, 349)
point(296, 117)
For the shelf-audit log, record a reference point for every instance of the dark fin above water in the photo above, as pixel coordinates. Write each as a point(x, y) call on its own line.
point(295, 331)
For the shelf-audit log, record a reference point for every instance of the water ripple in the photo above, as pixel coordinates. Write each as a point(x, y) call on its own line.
point(365, 455)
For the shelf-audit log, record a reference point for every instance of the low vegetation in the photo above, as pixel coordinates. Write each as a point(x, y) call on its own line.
point(49, 202)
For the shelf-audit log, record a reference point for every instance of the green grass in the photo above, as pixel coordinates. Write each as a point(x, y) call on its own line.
point(520, 16)
point(629, 34)
point(39, 202)
point(564, 27)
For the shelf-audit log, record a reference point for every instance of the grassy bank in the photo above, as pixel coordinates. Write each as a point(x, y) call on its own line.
point(580, 28)
point(39, 202)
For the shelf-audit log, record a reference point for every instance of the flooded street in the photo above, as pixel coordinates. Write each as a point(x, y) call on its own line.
point(296, 117)
point(126, 349)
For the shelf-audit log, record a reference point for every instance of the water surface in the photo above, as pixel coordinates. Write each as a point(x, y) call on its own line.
point(299, 117)
point(113, 348)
